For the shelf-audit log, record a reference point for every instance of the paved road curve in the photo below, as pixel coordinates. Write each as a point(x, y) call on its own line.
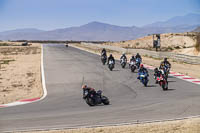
point(67, 68)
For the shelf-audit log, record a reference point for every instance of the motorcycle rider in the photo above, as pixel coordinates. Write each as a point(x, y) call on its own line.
point(89, 89)
point(132, 58)
point(123, 57)
point(111, 58)
point(142, 70)
point(165, 63)
point(103, 52)
point(158, 72)
point(138, 60)
point(138, 56)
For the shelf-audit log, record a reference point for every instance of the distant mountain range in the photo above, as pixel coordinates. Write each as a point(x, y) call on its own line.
point(97, 31)
point(197, 29)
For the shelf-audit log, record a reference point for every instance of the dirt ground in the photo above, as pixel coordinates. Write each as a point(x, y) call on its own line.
point(20, 76)
point(187, 69)
point(179, 126)
point(182, 43)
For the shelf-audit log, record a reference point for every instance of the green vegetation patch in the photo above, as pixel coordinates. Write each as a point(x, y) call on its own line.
point(5, 61)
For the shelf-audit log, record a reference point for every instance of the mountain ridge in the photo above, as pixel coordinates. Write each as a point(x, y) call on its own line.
point(99, 31)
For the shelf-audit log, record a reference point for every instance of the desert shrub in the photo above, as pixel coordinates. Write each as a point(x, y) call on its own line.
point(177, 47)
point(4, 44)
point(137, 44)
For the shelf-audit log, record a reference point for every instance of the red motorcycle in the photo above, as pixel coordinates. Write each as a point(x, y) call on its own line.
point(162, 80)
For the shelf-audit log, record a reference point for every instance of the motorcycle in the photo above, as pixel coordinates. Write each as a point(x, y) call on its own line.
point(143, 77)
point(96, 99)
point(103, 59)
point(123, 62)
point(138, 62)
point(162, 80)
point(133, 66)
point(111, 65)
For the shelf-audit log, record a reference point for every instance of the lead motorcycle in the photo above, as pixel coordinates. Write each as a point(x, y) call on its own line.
point(96, 99)
point(162, 80)
point(143, 77)
point(111, 65)
point(103, 59)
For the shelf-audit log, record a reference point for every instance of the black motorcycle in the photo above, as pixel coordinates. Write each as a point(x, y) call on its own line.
point(111, 65)
point(132, 66)
point(138, 62)
point(123, 62)
point(103, 59)
point(95, 99)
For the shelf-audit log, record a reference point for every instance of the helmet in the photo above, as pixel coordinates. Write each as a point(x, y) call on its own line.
point(84, 86)
point(111, 55)
point(137, 53)
point(103, 48)
point(165, 59)
point(141, 65)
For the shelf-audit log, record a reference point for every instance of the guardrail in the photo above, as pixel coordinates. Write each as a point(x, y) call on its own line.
point(177, 57)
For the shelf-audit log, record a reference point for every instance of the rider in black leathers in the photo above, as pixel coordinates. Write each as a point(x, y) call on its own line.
point(89, 89)
point(165, 63)
point(123, 57)
point(111, 58)
point(103, 52)
point(138, 56)
point(132, 58)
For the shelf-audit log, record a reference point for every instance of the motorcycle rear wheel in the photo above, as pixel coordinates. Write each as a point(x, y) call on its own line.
point(105, 100)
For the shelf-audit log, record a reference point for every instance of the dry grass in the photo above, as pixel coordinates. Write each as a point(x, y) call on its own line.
point(169, 42)
point(180, 126)
point(19, 72)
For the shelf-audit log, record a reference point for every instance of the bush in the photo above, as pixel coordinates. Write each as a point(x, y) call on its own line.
point(137, 44)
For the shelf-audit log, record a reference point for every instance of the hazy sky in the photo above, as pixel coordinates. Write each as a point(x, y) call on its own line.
point(52, 14)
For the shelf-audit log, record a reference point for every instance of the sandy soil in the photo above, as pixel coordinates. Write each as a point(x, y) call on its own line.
point(187, 69)
point(175, 42)
point(188, 51)
point(179, 126)
point(20, 72)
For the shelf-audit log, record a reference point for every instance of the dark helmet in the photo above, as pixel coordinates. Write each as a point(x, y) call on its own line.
point(110, 55)
point(133, 57)
point(137, 53)
point(104, 49)
point(165, 59)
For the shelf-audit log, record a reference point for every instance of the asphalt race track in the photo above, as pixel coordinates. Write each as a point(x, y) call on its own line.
point(67, 68)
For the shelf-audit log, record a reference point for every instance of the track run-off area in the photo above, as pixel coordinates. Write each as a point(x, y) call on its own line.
point(66, 69)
